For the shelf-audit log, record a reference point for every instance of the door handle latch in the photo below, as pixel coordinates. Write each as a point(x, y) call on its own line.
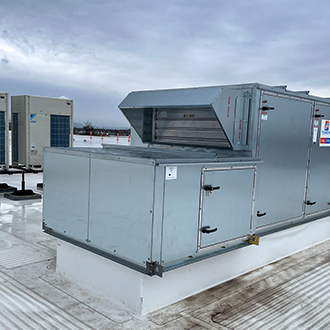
point(206, 230)
point(209, 189)
point(310, 203)
point(261, 214)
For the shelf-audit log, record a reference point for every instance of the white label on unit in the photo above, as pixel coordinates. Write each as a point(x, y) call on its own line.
point(264, 116)
point(325, 133)
point(33, 145)
point(316, 129)
point(171, 172)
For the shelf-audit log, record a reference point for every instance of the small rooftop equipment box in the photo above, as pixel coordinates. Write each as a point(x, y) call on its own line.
point(39, 122)
point(223, 165)
point(4, 129)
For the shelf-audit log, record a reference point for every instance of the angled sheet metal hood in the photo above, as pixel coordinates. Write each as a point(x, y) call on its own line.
point(200, 117)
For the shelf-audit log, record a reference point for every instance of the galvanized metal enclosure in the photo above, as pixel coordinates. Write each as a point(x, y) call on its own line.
point(220, 167)
point(39, 122)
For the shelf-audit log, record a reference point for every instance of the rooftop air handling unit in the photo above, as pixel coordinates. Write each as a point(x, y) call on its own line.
point(4, 129)
point(39, 122)
point(222, 166)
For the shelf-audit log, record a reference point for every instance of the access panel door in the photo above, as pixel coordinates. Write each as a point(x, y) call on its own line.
point(283, 148)
point(318, 194)
point(226, 204)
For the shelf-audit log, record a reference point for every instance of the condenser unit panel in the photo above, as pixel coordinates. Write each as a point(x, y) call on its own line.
point(40, 122)
point(14, 137)
point(39, 137)
point(4, 131)
point(3, 139)
point(20, 130)
point(60, 131)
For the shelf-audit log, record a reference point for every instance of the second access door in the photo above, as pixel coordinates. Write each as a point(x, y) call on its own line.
point(226, 204)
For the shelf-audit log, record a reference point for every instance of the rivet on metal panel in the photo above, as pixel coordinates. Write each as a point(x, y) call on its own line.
point(254, 240)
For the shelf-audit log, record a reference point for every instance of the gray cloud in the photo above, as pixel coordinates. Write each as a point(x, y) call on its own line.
point(5, 60)
point(98, 51)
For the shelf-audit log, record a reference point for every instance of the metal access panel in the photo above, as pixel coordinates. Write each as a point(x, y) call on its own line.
point(318, 194)
point(39, 122)
point(66, 189)
point(4, 129)
point(283, 147)
point(123, 224)
point(226, 204)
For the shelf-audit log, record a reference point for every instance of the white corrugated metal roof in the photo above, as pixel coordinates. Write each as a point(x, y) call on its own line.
point(21, 308)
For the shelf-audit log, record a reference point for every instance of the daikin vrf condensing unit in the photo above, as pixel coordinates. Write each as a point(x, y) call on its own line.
point(39, 122)
point(223, 166)
point(4, 128)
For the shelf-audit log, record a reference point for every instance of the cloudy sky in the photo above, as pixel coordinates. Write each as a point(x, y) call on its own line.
point(97, 51)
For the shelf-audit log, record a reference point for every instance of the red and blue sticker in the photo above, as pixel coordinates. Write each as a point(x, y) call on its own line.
point(325, 134)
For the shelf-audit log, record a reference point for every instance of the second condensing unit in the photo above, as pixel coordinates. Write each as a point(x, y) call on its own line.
point(39, 122)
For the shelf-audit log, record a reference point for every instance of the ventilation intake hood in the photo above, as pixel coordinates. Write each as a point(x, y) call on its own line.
point(208, 117)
